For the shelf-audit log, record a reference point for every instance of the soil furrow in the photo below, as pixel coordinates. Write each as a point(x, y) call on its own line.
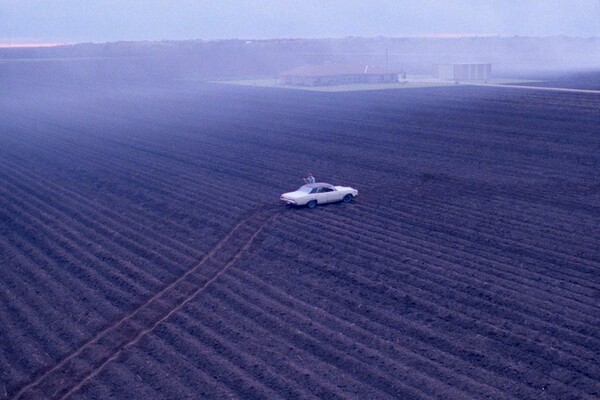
point(468, 320)
point(315, 343)
point(439, 277)
point(67, 376)
point(472, 260)
point(434, 378)
point(230, 322)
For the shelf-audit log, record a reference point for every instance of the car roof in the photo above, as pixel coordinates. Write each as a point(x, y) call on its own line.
point(318, 184)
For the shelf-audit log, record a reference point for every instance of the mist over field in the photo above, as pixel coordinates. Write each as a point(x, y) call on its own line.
point(247, 39)
point(157, 240)
point(247, 58)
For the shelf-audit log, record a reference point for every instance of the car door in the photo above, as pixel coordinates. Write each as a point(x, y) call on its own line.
point(328, 194)
point(315, 194)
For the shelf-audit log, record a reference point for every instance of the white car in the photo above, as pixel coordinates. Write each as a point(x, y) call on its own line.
point(319, 193)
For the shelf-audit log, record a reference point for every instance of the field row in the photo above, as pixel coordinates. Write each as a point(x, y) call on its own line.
point(466, 268)
point(105, 346)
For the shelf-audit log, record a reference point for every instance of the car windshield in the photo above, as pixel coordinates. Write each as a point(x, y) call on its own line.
point(305, 189)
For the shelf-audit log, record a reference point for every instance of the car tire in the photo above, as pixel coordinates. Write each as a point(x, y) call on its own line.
point(311, 204)
point(347, 198)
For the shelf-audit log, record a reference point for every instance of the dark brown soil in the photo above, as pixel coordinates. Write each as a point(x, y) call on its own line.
point(145, 255)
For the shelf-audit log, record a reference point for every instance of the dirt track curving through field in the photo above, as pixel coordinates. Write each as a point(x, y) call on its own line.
point(467, 267)
point(72, 372)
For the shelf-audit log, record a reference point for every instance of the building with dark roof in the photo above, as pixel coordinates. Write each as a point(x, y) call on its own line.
point(336, 74)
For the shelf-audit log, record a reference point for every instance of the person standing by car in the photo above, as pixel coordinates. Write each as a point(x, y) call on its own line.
point(309, 179)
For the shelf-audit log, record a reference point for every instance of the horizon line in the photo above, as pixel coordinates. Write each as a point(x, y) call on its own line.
point(30, 45)
point(8, 45)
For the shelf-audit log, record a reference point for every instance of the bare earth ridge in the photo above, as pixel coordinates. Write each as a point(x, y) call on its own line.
point(145, 254)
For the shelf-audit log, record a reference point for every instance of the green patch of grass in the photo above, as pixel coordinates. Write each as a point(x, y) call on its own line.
point(412, 82)
point(274, 83)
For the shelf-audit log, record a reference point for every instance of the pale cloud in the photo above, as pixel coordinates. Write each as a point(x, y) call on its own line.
point(112, 20)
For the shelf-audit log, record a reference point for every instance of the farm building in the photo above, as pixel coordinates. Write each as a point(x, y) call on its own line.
point(335, 74)
point(462, 72)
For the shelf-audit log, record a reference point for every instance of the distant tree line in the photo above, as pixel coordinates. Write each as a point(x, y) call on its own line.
point(266, 58)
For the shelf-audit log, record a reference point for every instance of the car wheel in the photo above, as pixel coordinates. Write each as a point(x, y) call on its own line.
point(311, 204)
point(347, 198)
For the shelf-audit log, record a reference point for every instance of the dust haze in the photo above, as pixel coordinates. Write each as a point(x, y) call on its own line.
point(248, 59)
point(148, 249)
point(129, 41)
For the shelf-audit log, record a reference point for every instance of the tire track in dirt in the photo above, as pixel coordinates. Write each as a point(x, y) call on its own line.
point(73, 371)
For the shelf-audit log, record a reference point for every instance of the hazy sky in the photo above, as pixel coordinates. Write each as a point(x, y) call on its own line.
point(72, 21)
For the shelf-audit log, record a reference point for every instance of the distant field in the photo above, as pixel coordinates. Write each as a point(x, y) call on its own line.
point(411, 83)
point(274, 83)
point(145, 254)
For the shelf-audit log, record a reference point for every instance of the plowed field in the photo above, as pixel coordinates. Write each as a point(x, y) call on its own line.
point(144, 253)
